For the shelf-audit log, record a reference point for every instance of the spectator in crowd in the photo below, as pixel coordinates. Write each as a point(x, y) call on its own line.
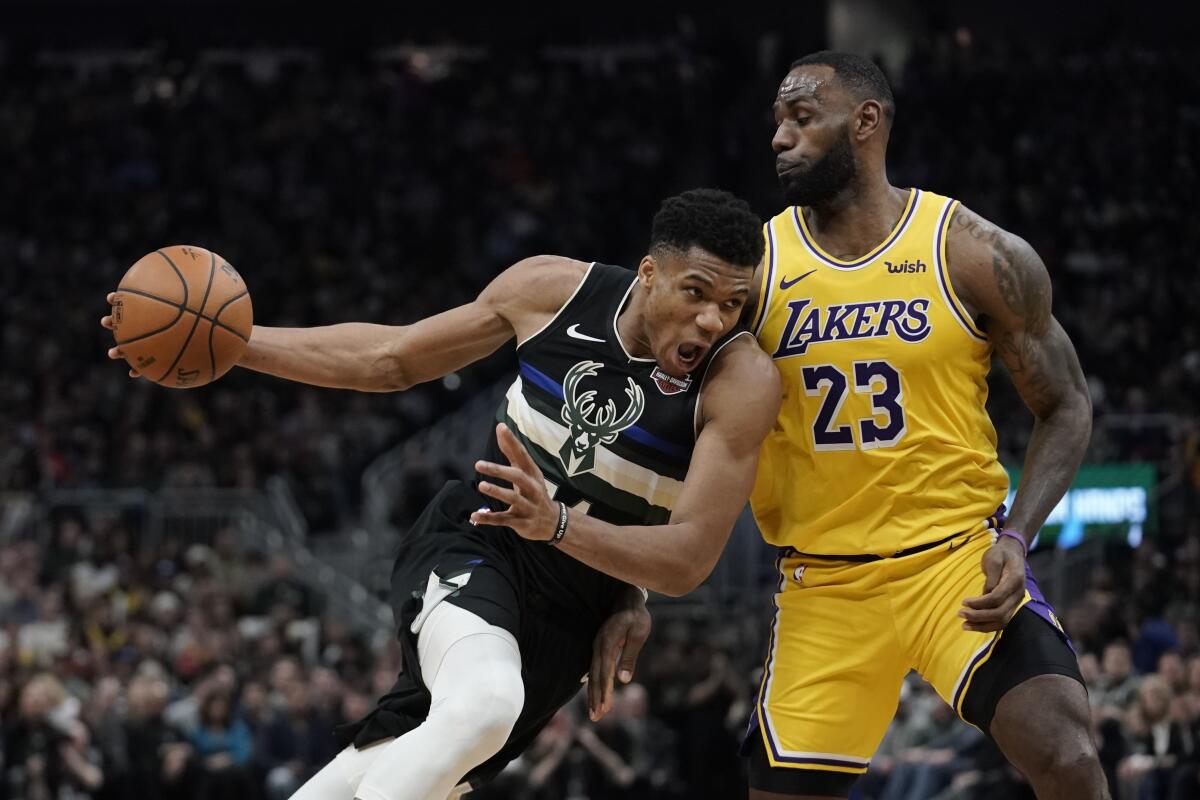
point(224, 748)
point(297, 738)
point(1158, 743)
point(155, 761)
point(47, 748)
point(1117, 683)
point(937, 751)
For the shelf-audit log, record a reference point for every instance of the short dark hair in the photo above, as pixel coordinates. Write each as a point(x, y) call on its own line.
point(857, 73)
point(713, 220)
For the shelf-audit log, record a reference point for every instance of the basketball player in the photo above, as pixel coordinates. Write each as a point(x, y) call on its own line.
point(629, 429)
point(882, 308)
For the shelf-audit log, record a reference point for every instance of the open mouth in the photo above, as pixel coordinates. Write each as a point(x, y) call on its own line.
point(689, 354)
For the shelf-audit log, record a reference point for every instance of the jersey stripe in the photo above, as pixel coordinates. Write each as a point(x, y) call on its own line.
point(811, 245)
point(764, 291)
point(558, 313)
point(549, 405)
point(700, 389)
point(549, 434)
point(943, 275)
point(603, 498)
point(635, 432)
point(617, 330)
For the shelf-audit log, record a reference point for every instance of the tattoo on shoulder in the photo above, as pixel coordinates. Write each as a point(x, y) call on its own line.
point(1018, 271)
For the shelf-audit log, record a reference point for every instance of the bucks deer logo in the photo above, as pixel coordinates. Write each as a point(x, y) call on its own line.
point(592, 425)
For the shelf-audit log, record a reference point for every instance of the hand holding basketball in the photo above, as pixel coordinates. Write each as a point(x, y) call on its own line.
point(181, 317)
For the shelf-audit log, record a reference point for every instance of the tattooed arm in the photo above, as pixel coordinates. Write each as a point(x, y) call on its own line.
point(1006, 289)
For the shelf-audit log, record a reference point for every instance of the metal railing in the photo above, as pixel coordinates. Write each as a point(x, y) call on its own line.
point(267, 521)
point(454, 439)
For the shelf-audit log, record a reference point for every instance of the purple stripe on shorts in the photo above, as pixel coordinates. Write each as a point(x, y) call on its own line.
point(1038, 605)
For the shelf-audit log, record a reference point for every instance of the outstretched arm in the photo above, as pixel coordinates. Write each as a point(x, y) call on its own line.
point(740, 402)
point(379, 358)
point(1007, 287)
point(383, 358)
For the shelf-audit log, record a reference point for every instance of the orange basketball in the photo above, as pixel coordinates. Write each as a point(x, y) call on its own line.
point(182, 316)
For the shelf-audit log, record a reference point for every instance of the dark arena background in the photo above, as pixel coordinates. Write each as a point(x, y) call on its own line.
point(193, 582)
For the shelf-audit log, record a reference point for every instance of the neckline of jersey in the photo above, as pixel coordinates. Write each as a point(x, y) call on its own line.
point(617, 331)
point(815, 249)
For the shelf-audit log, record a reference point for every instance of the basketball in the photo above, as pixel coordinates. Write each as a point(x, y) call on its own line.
point(182, 316)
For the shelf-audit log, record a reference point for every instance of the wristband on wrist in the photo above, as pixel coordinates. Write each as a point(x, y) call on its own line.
point(561, 530)
point(1017, 536)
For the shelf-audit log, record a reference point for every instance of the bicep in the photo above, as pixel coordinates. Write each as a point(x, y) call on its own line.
point(744, 403)
point(445, 342)
point(518, 301)
point(1043, 365)
point(1008, 284)
point(718, 482)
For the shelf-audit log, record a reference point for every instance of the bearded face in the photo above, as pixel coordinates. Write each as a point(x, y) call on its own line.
point(807, 183)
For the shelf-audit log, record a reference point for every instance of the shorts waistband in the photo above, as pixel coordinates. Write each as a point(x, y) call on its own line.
point(993, 522)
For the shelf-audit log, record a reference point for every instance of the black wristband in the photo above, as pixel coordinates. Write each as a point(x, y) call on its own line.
point(561, 530)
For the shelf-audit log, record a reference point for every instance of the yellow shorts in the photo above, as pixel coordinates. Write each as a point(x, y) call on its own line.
point(845, 635)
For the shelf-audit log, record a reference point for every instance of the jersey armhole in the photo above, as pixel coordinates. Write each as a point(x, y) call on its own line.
point(703, 377)
point(943, 274)
point(550, 322)
point(764, 289)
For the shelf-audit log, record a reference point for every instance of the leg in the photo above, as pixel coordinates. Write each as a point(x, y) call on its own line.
point(338, 779)
point(768, 782)
point(473, 671)
point(1021, 686)
point(831, 683)
point(1043, 728)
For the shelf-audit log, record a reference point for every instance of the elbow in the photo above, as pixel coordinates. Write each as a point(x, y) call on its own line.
point(1079, 410)
point(386, 373)
point(389, 382)
point(1070, 419)
point(670, 589)
point(683, 578)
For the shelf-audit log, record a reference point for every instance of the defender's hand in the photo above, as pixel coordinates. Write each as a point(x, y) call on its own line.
point(1003, 567)
point(531, 512)
point(115, 352)
point(615, 651)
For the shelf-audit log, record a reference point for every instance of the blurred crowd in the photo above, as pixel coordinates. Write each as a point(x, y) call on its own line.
point(210, 671)
point(384, 190)
point(195, 673)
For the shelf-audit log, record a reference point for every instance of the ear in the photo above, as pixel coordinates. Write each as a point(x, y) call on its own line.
point(647, 271)
point(867, 120)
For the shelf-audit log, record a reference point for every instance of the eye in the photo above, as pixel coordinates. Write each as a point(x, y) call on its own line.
point(693, 291)
point(733, 305)
point(802, 121)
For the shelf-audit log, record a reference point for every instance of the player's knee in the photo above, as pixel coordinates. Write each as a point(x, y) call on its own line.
point(1072, 761)
point(1076, 763)
point(486, 724)
point(488, 708)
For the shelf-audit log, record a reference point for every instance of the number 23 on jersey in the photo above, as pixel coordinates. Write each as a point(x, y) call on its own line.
point(878, 378)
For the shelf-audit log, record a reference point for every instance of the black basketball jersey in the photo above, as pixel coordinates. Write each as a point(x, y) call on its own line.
point(612, 434)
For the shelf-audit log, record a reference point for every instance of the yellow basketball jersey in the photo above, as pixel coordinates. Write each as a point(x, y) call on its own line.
point(883, 441)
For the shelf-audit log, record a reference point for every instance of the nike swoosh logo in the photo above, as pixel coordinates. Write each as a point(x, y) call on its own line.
point(784, 283)
point(574, 333)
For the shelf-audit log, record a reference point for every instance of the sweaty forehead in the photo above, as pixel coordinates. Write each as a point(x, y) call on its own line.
point(806, 83)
